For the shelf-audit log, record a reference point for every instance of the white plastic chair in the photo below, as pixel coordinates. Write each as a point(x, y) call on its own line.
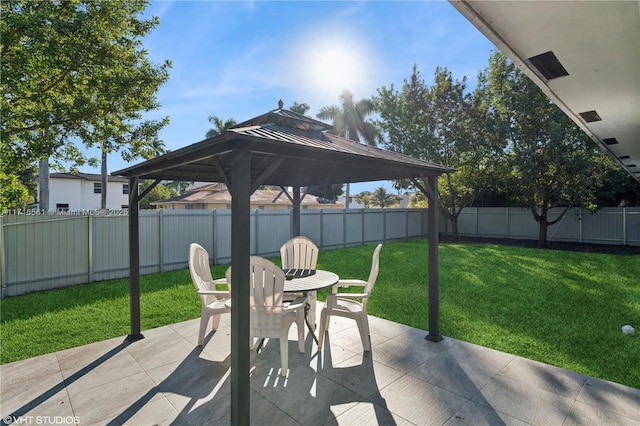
point(213, 301)
point(301, 253)
point(270, 317)
point(347, 304)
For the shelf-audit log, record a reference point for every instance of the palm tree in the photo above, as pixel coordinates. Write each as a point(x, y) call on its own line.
point(349, 121)
point(221, 125)
point(382, 198)
point(155, 149)
point(299, 108)
point(364, 198)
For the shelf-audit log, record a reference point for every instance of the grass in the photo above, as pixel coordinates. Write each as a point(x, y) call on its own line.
point(558, 307)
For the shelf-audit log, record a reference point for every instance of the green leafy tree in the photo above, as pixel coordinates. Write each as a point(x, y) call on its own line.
point(442, 124)
point(74, 71)
point(159, 192)
point(329, 192)
point(220, 125)
point(381, 198)
point(550, 157)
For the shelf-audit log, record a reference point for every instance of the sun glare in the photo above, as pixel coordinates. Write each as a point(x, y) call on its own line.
point(334, 68)
point(329, 65)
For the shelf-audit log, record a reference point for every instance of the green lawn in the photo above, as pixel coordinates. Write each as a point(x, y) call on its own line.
point(558, 307)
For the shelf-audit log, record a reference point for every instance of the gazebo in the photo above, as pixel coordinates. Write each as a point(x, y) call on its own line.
point(280, 148)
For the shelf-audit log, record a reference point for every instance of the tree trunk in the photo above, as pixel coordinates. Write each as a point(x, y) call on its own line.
point(454, 227)
point(542, 233)
point(43, 181)
point(103, 181)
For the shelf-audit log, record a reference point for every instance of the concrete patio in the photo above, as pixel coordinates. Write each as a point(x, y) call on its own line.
point(165, 379)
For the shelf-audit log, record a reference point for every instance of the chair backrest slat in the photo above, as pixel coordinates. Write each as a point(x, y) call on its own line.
point(299, 253)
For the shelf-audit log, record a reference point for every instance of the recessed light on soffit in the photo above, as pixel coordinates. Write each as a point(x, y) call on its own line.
point(590, 116)
point(548, 65)
point(610, 141)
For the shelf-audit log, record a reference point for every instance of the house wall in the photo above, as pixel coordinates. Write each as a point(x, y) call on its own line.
point(79, 195)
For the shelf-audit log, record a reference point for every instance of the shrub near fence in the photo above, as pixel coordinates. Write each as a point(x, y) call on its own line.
point(40, 252)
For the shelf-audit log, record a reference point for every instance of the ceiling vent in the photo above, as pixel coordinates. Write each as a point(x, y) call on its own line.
point(624, 157)
point(590, 116)
point(631, 165)
point(610, 141)
point(548, 65)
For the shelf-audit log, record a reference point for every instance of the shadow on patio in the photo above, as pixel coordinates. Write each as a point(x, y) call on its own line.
point(405, 379)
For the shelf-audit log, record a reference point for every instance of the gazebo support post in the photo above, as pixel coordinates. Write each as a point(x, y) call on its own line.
point(240, 253)
point(134, 261)
point(295, 230)
point(434, 276)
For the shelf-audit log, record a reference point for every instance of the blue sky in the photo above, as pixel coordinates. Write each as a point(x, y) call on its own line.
point(237, 59)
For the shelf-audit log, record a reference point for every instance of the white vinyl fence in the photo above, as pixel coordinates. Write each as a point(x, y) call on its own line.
point(40, 252)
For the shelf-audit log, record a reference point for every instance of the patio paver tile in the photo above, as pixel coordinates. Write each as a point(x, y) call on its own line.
point(122, 397)
point(420, 402)
point(368, 413)
point(362, 375)
point(586, 414)
point(36, 396)
point(612, 397)
point(28, 369)
point(474, 414)
point(158, 413)
point(543, 376)
point(449, 374)
point(526, 403)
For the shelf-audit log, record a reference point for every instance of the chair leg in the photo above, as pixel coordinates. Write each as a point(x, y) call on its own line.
point(284, 351)
point(363, 328)
point(324, 326)
point(312, 297)
point(300, 325)
point(216, 322)
point(204, 320)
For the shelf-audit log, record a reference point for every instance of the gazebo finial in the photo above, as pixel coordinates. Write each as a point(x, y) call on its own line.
point(280, 104)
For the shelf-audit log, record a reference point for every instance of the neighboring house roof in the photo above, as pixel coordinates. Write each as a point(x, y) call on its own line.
point(86, 176)
point(210, 194)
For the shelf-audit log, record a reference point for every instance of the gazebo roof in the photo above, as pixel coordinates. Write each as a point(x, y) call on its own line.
point(286, 149)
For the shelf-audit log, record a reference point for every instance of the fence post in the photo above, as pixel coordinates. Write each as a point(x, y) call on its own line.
point(214, 251)
point(90, 247)
point(161, 240)
point(477, 222)
point(624, 226)
point(322, 228)
point(257, 231)
point(580, 224)
point(406, 224)
point(362, 232)
point(508, 223)
point(384, 225)
point(3, 273)
point(344, 227)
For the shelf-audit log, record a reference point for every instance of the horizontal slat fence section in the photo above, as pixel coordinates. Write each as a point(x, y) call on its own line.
point(44, 252)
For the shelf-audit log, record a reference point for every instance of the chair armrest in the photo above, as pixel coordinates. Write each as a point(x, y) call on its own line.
point(347, 295)
point(348, 283)
point(219, 293)
point(298, 303)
